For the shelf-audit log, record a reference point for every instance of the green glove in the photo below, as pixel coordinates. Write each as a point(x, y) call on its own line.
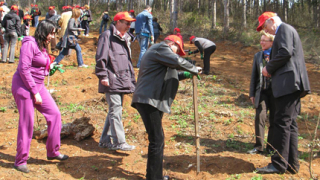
point(190, 52)
point(187, 74)
point(20, 38)
point(201, 56)
point(55, 68)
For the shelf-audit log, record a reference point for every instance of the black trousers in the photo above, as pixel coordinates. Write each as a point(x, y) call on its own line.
point(266, 103)
point(152, 119)
point(206, 59)
point(286, 132)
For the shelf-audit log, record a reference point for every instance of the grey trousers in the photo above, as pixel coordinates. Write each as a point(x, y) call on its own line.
point(113, 127)
point(11, 38)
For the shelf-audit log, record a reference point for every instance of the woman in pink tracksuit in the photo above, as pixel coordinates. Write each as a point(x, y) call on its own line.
point(29, 92)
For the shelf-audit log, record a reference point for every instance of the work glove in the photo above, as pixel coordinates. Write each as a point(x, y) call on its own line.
point(189, 75)
point(190, 52)
point(20, 38)
point(54, 68)
point(201, 56)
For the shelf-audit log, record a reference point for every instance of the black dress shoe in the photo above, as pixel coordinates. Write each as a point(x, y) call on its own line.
point(254, 151)
point(22, 168)
point(270, 169)
point(60, 157)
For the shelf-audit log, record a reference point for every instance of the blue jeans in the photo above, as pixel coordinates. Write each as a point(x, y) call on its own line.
point(105, 24)
point(156, 36)
point(36, 21)
point(143, 41)
point(65, 52)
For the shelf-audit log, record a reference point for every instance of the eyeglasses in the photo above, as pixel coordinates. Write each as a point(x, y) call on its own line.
point(126, 22)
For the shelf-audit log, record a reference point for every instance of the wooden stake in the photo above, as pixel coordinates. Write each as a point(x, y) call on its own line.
point(196, 118)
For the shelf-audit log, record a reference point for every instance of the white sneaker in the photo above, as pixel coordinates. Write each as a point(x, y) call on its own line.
point(87, 35)
point(83, 66)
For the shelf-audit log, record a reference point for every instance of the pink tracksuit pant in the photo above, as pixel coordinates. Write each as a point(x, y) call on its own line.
point(26, 104)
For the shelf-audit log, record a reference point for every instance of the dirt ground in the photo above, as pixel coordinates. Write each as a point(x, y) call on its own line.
point(226, 124)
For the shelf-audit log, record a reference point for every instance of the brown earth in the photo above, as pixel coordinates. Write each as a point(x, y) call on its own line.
point(226, 122)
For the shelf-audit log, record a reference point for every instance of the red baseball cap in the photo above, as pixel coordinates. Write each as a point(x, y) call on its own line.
point(264, 16)
point(27, 17)
point(14, 7)
point(78, 6)
point(176, 29)
point(192, 37)
point(36, 5)
point(51, 7)
point(123, 16)
point(31, 5)
point(131, 11)
point(177, 40)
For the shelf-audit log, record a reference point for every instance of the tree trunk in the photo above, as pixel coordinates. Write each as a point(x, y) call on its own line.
point(214, 14)
point(173, 14)
point(244, 11)
point(226, 18)
point(315, 13)
point(285, 10)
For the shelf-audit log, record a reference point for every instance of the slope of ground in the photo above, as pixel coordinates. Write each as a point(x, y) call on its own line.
point(226, 124)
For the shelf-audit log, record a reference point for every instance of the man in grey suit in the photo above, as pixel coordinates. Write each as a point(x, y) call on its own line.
point(261, 94)
point(289, 83)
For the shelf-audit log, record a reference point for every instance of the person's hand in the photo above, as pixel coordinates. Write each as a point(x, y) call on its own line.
point(82, 29)
point(152, 38)
point(252, 99)
point(265, 72)
point(38, 98)
point(201, 56)
point(105, 82)
point(199, 69)
point(20, 38)
point(190, 52)
point(189, 75)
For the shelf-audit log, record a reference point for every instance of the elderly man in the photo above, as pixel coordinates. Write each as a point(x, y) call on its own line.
point(157, 86)
point(144, 30)
point(116, 78)
point(261, 94)
point(289, 83)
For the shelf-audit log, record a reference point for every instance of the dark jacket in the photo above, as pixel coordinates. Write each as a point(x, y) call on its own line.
point(256, 78)
point(113, 62)
point(21, 14)
point(25, 29)
point(88, 14)
point(287, 66)
point(156, 27)
point(158, 78)
point(11, 23)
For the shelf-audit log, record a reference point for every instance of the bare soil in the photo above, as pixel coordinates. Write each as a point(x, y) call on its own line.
point(226, 123)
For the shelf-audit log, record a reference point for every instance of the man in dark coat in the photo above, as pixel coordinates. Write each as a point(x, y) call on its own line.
point(289, 83)
point(116, 78)
point(261, 95)
point(157, 86)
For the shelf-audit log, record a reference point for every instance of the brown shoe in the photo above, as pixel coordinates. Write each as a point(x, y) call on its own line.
point(22, 168)
point(60, 157)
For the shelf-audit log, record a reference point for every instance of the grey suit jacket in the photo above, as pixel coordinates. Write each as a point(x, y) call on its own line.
point(158, 78)
point(256, 78)
point(287, 66)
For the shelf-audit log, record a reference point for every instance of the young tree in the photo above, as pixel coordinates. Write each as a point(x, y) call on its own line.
point(226, 18)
